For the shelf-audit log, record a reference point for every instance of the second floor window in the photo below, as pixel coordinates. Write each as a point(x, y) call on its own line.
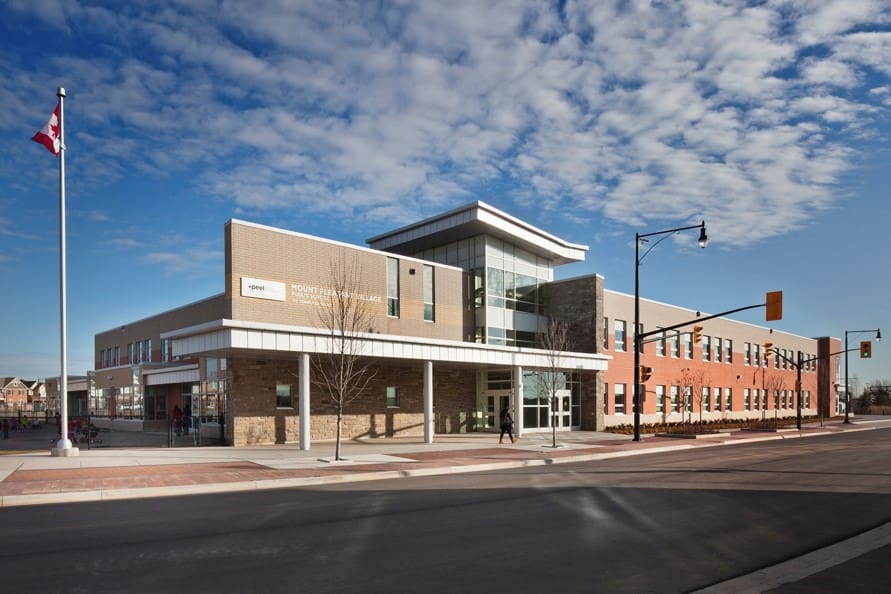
point(393, 287)
point(429, 299)
point(619, 337)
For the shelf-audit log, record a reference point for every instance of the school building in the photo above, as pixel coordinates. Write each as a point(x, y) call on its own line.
point(456, 305)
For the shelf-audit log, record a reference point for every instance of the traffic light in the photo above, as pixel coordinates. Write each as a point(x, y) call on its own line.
point(866, 349)
point(774, 306)
point(768, 349)
point(645, 373)
point(697, 334)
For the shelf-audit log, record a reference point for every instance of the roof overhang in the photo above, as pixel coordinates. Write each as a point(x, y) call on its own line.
point(222, 337)
point(477, 218)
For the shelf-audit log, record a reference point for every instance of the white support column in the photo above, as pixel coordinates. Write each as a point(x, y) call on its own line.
point(428, 402)
point(518, 399)
point(303, 400)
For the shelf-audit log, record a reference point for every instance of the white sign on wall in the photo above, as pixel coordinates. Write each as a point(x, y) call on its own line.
point(262, 289)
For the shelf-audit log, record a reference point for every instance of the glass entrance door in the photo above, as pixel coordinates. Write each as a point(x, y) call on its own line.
point(495, 401)
point(564, 409)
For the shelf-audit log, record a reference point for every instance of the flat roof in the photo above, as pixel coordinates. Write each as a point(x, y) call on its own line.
point(470, 220)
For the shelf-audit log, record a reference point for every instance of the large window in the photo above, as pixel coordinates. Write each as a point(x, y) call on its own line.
point(675, 390)
point(660, 399)
point(706, 348)
point(393, 287)
point(429, 295)
point(718, 399)
point(728, 343)
point(719, 350)
point(728, 403)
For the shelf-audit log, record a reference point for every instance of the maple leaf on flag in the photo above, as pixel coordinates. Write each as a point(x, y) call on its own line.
point(48, 136)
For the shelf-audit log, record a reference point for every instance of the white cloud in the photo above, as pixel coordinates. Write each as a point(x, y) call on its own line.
point(636, 110)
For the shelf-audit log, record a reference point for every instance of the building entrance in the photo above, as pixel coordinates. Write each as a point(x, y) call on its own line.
point(563, 405)
point(495, 401)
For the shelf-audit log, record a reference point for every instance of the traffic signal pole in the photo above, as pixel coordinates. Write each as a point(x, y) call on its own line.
point(639, 337)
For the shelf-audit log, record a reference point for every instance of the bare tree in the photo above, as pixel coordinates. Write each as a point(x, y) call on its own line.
point(343, 370)
point(554, 341)
point(774, 384)
point(692, 381)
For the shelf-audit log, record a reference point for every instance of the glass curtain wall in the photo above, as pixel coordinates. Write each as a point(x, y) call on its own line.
point(507, 287)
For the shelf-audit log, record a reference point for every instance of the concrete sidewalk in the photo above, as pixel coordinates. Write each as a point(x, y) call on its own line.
point(107, 473)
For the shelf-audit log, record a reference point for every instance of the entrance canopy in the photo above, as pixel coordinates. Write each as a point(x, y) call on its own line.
point(223, 336)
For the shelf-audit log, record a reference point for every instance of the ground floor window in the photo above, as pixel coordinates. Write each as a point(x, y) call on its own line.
point(283, 396)
point(392, 397)
point(155, 403)
point(619, 401)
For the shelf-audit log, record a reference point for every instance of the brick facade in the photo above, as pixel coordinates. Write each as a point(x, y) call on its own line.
point(257, 420)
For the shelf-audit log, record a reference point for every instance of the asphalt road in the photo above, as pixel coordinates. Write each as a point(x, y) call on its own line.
point(672, 522)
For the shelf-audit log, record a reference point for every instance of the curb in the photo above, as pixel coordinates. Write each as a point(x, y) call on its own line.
point(288, 483)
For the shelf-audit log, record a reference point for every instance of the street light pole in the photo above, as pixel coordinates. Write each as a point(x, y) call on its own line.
point(878, 332)
point(703, 241)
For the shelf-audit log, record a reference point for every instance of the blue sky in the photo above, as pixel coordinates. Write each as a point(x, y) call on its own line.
point(591, 120)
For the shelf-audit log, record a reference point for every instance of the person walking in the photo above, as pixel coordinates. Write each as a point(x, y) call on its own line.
point(177, 420)
point(507, 425)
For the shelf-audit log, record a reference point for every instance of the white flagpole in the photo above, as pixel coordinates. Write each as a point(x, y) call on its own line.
point(63, 446)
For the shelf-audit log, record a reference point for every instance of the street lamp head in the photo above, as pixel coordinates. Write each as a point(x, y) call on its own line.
point(703, 238)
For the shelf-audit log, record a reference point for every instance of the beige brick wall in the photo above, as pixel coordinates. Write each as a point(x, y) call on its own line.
point(304, 263)
point(206, 310)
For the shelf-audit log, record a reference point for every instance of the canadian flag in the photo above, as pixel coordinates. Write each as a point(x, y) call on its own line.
point(49, 134)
